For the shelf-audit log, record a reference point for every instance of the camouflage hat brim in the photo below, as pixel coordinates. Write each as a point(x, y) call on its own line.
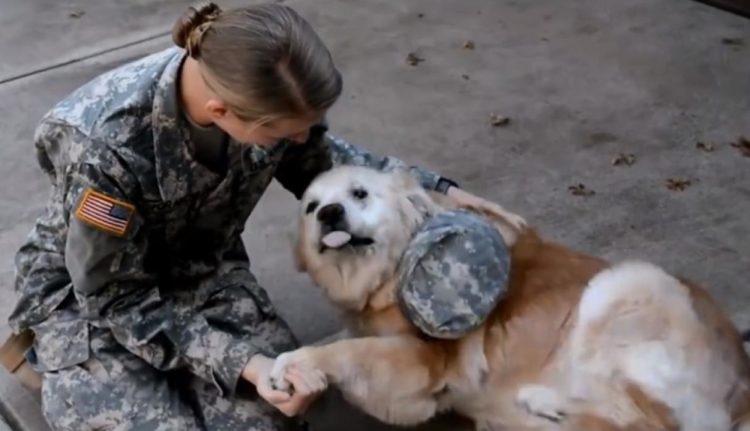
point(453, 274)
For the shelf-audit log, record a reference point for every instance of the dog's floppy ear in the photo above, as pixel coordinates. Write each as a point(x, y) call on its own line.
point(416, 203)
point(404, 180)
point(407, 185)
point(421, 203)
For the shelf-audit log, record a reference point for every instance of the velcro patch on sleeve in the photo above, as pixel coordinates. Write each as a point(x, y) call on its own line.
point(105, 213)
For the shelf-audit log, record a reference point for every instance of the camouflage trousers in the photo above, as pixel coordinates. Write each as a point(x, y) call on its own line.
point(117, 390)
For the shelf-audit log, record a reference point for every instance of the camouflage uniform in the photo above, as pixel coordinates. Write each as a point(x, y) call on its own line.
point(135, 280)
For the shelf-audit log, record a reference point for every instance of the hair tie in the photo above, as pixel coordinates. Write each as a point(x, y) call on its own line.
point(206, 16)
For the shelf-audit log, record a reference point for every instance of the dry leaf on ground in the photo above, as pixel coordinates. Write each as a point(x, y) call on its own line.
point(413, 59)
point(623, 159)
point(678, 184)
point(705, 146)
point(580, 190)
point(742, 144)
point(498, 120)
point(733, 41)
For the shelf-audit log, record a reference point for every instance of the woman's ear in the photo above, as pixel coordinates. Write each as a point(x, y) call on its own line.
point(216, 109)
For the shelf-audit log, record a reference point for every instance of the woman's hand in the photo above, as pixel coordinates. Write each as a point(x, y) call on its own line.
point(304, 391)
point(496, 212)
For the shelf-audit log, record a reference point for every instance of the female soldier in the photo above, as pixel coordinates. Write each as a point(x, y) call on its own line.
point(135, 281)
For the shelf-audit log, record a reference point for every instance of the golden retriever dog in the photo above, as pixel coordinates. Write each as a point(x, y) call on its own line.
point(577, 343)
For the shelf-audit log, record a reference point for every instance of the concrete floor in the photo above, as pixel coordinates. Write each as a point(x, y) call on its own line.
point(581, 81)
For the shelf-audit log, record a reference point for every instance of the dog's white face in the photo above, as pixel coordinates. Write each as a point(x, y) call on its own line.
point(354, 224)
point(345, 212)
point(354, 210)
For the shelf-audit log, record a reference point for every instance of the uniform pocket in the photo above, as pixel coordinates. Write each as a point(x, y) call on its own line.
point(59, 344)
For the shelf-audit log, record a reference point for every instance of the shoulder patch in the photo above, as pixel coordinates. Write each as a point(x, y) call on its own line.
point(104, 212)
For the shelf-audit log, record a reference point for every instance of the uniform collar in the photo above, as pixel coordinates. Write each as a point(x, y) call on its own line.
point(178, 174)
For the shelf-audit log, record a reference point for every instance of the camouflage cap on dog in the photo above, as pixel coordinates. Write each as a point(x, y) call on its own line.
point(453, 274)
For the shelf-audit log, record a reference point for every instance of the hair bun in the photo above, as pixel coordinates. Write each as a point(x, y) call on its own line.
point(188, 30)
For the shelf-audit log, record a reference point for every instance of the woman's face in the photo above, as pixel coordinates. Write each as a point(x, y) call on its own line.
point(266, 134)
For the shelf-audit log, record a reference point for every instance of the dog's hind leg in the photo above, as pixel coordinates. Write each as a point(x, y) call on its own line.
point(395, 379)
point(569, 414)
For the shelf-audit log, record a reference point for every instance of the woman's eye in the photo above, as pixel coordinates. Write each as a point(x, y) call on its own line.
point(359, 193)
point(311, 207)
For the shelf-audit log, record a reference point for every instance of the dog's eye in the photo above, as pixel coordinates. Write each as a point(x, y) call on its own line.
point(311, 207)
point(359, 193)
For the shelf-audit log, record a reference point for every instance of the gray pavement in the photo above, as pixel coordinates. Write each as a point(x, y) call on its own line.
point(581, 80)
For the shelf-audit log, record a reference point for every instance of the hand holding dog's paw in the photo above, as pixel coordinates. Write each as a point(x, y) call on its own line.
point(467, 200)
point(280, 366)
point(294, 376)
point(299, 361)
point(257, 371)
point(306, 383)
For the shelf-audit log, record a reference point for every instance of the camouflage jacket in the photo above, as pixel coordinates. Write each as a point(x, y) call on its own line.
point(132, 216)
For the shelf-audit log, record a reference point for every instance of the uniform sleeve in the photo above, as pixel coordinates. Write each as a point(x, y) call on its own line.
point(303, 162)
point(106, 255)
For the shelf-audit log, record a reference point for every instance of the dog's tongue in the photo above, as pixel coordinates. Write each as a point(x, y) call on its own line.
point(336, 239)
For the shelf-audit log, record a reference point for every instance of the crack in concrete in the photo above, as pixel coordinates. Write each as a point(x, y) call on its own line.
point(81, 58)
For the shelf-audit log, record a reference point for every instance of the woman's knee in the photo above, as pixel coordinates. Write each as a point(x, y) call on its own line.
point(75, 399)
point(58, 409)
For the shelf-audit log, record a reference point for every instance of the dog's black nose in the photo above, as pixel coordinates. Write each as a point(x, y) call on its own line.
point(331, 214)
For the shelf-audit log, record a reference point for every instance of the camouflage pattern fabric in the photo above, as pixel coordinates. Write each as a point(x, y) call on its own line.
point(453, 273)
point(138, 236)
point(116, 390)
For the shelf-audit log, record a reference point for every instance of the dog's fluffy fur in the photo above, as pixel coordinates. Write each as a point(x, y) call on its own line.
point(577, 344)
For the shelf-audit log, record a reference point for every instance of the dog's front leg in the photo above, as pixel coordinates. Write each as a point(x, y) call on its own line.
point(393, 378)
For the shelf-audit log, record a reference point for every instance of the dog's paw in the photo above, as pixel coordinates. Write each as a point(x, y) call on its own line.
point(542, 401)
point(309, 379)
point(280, 366)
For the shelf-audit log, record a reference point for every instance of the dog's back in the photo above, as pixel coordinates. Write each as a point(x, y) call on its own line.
point(624, 345)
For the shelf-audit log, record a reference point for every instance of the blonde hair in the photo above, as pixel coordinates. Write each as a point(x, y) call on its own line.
point(265, 61)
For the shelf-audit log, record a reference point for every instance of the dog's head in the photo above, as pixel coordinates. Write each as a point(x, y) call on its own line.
point(355, 222)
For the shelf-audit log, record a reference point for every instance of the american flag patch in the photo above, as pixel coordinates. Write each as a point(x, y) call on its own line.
point(105, 213)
